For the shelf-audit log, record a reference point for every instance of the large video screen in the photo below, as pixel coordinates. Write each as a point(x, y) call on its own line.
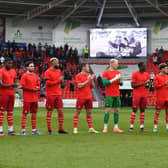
point(119, 43)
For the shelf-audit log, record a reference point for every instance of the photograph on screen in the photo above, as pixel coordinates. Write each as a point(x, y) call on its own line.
point(123, 42)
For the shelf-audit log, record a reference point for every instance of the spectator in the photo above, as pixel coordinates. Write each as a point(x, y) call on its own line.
point(155, 59)
point(64, 65)
point(61, 67)
point(50, 51)
point(78, 69)
point(157, 50)
point(70, 52)
point(47, 50)
point(100, 82)
point(25, 49)
point(130, 98)
point(40, 68)
point(18, 63)
point(152, 75)
point(151, 85)
point(8, 45)
point(45, 66)
point(70, 76)
point(30, 48)
point(13, 46)
point(45, 47)
point(66, 47)
point(34, 52)
point(161, 49)
point(54, 51)
point(72, 70)
point(71, 86)
point(122, 99)
point(66, 75)
point(39, 48)
point(167, 61)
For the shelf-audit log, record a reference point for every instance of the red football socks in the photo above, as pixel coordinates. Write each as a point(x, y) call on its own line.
point(48, 118)
point(75, 120)
point(89, 120)
point(133, 115)
point(10, 118)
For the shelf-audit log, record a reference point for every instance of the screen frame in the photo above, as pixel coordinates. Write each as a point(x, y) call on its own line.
point(120, 28)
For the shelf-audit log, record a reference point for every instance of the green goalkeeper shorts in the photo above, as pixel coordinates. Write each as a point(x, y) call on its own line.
point(112, 102)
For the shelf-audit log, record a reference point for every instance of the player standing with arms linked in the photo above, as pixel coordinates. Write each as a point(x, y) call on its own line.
point(7, 83)
point(111, 80)
point(54, 78)
point(161, 86)
point(139, 83)
point(30, 84)
point(84, 97)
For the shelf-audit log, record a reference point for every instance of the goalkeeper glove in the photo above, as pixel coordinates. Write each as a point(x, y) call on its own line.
point(115, 78)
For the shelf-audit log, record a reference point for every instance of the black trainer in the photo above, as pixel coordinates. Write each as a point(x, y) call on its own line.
point(49, 132)
point(62, 132)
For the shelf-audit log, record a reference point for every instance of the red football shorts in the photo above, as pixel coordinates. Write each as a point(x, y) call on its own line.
point(7, 102)
point(139, 102)
point(161, 104)
point(54, 102)
point(30, 107)
point(84, 102)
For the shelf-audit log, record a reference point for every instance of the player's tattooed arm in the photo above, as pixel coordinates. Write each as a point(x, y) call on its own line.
point(51, 83)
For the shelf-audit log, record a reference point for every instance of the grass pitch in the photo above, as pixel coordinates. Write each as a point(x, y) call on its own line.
point(111, 150)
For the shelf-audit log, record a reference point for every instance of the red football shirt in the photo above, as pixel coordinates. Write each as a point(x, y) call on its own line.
point(138, 77)
point(52, 82)
point(8, 77)
point(161, 87)
point(85, 92)
point(30, 81)
point(113, 88)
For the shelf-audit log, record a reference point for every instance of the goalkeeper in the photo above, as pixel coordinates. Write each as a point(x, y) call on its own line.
point(111, 80)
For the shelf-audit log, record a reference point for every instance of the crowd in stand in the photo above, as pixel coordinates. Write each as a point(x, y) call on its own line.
point(158, 56)
point(20, 53)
